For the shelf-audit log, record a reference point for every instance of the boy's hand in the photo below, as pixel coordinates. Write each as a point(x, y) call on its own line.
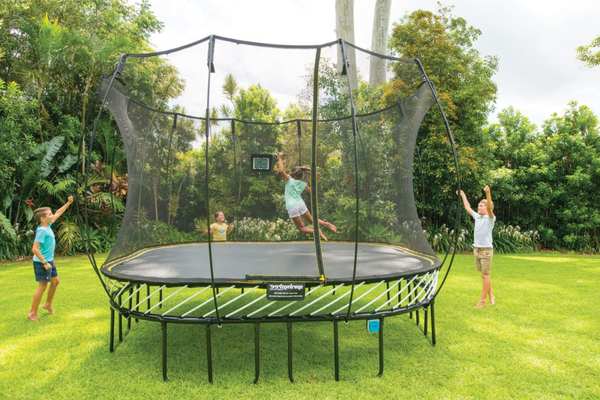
point(46, 266)
point(460, 193)
point(281, 155)
point(486, 189)
point(70, 199)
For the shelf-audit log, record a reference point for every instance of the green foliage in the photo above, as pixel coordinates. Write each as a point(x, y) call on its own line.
point(590, 54)
point(256, 229)
point(507, 239)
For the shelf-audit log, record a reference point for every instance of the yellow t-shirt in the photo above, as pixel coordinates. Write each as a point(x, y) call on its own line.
point(218, 231)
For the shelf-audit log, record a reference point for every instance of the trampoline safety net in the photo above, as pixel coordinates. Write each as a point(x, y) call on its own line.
point(357, 141)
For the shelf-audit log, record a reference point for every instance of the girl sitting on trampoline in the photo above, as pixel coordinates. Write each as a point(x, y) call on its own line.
point(294, 186)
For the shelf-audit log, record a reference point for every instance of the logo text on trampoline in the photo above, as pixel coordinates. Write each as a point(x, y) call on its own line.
point(285, 291)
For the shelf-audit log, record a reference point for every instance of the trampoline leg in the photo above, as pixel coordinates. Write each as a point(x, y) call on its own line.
point(130, 305)
point(290, 352)
point(111, 339)
point(242, 290)
point(425, 321)
point(120, 321)
point(387, 288)
point(399, 290)
point(160, 298)
point(164, 350)
point(336, 351)
point(256, 352)
point(209, 364)
point(432, 323)
point(137, 301)
point(148, 295)
point(417, 314)
point(380, 347)
point(410, 297)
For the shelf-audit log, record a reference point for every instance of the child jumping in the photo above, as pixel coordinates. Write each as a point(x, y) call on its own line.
point(296, 208)
point(43, 258)
point(219, 229)
point(482, 245)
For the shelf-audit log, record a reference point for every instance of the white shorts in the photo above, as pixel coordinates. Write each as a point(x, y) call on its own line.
point(297, 211)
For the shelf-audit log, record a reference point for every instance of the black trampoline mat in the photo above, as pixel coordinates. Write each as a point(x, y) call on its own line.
point(240, 261)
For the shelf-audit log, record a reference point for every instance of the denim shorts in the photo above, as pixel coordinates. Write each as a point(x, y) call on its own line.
point(43, 275)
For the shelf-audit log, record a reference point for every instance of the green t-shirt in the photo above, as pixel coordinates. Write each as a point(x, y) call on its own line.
point(293, 193)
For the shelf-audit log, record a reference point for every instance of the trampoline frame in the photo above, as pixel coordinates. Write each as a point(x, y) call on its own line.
point(127, 310)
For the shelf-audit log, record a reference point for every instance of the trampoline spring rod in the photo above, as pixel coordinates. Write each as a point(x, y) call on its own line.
point(134, 292)
point(246, 306)
point(317, 299)
point(358, 298)
point(336, 300)
point(432, 306)
point(198, 293)
point(291, 303)
point(148, 296)
point(376, 298)
point(409, 295)
point(207, 301)
point(229, 302)
point(405, 287)
point(165, 299)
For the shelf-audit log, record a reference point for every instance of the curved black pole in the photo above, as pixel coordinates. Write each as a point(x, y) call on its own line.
point(313, 171)
point(356, 183)
point(458, 218)
point(211, 52)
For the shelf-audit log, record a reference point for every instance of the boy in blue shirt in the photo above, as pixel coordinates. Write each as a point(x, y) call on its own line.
point(483, 248)
point(43, 258)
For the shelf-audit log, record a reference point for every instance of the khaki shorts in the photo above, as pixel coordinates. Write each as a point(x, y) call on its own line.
point(483, 259)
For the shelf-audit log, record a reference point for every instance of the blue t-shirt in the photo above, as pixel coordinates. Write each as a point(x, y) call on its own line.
point(293, 193)
point(45, 237)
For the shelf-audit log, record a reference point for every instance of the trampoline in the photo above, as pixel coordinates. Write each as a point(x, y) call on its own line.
point(249, 263)
point(359, 143)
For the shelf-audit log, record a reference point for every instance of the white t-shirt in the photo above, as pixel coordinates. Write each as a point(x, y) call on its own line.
point(484, 225)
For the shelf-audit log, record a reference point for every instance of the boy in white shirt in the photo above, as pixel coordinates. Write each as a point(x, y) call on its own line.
point(483, 248)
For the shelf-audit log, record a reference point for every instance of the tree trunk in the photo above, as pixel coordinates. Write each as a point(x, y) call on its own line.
point(381, 21)
point(344, 28)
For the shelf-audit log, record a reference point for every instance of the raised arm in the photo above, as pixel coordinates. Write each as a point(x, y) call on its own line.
point(62, 210)
point(280, 166)
point(488, 200)
point(466, 204)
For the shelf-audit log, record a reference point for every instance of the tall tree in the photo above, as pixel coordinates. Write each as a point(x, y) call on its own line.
point(344, 28)
point(381, 22)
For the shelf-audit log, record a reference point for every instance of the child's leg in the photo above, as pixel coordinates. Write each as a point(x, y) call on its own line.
point(305, 229)
point(51, 291)
point(37, 297)
point(326, 224)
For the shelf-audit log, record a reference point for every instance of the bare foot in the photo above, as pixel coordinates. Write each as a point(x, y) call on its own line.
point(32, 316)
point(331, 227)
point(493, 300)
point(48, 308)
point(481, 304)
point(323, 236)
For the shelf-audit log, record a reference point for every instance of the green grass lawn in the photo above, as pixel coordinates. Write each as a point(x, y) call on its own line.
point(542, 340)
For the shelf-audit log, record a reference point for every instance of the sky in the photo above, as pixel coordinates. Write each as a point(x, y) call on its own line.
point(535, 42)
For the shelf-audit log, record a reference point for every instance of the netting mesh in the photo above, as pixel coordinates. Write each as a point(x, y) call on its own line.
point(364, 176)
